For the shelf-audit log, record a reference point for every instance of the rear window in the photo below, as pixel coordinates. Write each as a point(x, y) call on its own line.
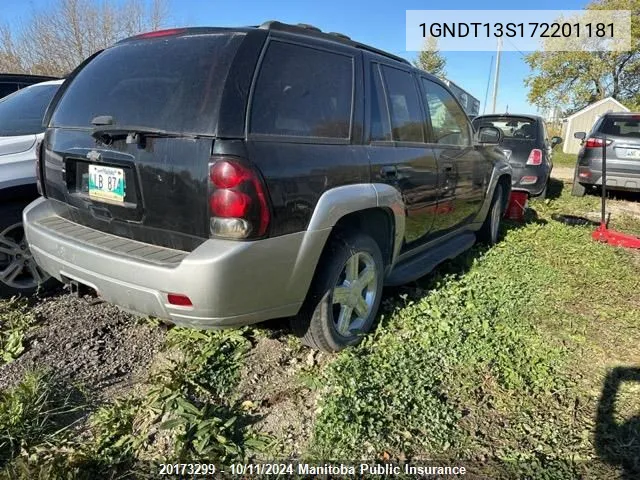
point(621, 126)
point(171, 84)
point(21, 113)
point(512, 127)
point(303, 92)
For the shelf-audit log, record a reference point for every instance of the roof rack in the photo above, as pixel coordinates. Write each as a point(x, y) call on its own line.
point(312, 31)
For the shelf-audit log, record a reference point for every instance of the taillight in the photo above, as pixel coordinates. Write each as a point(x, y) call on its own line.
point(238, 205)
point(39, 174)
point(535, 157)
point(595, 142)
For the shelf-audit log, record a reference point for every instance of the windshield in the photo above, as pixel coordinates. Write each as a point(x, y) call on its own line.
point(21, 112)
point(512, 127)
point(622, 126)
point(170, 84)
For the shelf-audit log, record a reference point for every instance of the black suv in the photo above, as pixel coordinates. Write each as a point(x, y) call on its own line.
point(218, 177)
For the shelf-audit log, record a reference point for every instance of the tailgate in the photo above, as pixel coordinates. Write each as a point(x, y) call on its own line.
point(155, 195)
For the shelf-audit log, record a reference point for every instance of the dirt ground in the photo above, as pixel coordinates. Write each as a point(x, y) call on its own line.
point(99, 346)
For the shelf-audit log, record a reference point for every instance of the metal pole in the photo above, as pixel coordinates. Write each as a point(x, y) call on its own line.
point(486, 92)
point(497, 76)
point(604, 177)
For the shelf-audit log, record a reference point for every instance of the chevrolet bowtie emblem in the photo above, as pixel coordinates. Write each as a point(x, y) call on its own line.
point(94, 156)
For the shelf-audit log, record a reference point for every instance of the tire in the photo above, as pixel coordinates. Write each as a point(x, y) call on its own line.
point(19, 273)
point(324, 322)
point(490, 230)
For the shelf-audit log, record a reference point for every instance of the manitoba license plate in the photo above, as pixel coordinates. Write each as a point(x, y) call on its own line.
point(106, 183)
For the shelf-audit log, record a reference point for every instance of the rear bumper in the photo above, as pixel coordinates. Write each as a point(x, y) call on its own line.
point(229, 283)
point(519, 176)
point(589, 176)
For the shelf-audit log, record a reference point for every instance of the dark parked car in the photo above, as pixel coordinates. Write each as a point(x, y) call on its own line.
point(527, 146)
point(217, 177)
point(621, 131)
point(10, 82)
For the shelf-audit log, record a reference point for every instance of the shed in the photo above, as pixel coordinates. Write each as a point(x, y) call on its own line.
point(583, 120)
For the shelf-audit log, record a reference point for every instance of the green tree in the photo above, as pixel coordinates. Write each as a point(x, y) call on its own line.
point(574, 79)
point(430, 59)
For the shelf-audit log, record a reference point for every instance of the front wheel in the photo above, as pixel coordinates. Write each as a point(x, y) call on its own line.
point(345, 294)
point(490, 230)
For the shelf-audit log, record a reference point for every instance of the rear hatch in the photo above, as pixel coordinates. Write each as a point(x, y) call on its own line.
point(519, 136)
point(622, 133)
point(129, 141)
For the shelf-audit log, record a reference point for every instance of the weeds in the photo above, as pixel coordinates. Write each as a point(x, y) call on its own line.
point(35, 415)
point(15, 322)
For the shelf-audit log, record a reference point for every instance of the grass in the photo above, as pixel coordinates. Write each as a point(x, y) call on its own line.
point(561, 159)
point(518, 361)
point(15, 322)
point(185, 411)
point(502, 361)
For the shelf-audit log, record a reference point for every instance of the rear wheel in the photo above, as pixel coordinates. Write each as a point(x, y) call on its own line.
point(577, 190)
point(344, 296)
point(490, 230)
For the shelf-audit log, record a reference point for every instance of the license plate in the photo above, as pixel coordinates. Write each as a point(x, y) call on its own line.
point(632, 153)
point(106, 183)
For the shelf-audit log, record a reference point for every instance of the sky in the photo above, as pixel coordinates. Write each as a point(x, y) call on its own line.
point(380, 23)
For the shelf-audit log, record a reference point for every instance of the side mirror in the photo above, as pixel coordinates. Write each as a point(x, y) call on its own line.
point(555, 141)
point(489, 135)
point(580, 135)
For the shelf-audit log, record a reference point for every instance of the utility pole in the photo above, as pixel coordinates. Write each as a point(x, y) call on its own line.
point(497, 75)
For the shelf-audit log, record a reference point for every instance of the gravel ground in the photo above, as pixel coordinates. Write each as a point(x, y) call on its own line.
point(98, 346)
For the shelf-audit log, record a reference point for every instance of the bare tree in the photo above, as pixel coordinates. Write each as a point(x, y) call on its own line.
point(56, 40)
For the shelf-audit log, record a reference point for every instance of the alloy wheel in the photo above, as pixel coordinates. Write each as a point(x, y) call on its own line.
point(355, 293)
point(18, 269)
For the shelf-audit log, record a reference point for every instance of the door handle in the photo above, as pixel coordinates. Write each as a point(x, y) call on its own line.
point(389, 171)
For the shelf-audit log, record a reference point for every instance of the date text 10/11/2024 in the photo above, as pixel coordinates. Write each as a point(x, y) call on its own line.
point(279, 469)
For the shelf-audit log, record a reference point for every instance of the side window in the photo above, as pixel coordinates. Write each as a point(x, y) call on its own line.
point(303, 92)
point(404, 107)
point(379, 118)
point(448, 121)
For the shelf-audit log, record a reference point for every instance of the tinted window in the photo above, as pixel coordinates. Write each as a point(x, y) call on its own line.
point(7, 88)
point(303, 92)
point(21, 113)
point(512, 127)
point(379, 121)
point(622, 126)
point(173, 84)
point(404, 107)
point(448, 120)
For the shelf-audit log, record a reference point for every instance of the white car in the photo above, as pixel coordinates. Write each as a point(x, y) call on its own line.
point(21, 130)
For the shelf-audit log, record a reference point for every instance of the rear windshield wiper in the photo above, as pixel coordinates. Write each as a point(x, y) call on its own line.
point(105, 131)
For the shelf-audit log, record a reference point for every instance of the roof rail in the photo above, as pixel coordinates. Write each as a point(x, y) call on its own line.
point(310, 30)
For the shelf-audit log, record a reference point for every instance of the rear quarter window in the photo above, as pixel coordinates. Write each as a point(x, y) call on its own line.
point(303, 92)
point(172, 84)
